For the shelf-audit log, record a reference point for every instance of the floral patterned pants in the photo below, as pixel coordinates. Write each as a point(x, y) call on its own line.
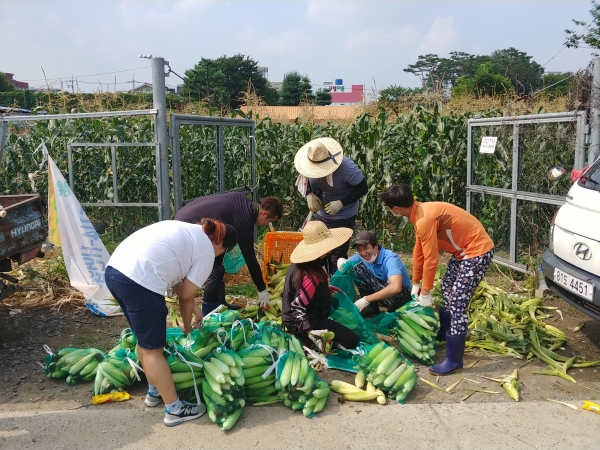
point(459, 284)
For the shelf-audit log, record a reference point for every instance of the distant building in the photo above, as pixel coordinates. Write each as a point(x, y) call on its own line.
point(146, 88)
point(343, 97)
point(142, 89)
point(264, 71)
point(277, 85)
point(19, 85)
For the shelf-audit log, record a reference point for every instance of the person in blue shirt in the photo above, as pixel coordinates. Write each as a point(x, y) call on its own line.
point(379, 274)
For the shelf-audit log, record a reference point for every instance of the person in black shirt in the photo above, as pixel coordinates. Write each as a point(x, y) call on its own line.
point(233, 208)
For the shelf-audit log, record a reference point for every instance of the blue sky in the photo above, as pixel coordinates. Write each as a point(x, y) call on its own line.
point(361, 42)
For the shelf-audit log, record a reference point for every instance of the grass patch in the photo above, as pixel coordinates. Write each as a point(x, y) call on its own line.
point(247, 290)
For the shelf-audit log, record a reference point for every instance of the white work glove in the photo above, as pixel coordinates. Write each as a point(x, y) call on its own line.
point(264, 300)
point(415, 291)
point(361, 303)
point(340, 263)
point(426, 300)
point(333, 207)
point(314, 202)
point(315, 336)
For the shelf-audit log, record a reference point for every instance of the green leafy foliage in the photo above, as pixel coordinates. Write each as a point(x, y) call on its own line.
point(589, 35)
point(5, 85)
point(221, 81)
point(323, 98)
point(295, 89)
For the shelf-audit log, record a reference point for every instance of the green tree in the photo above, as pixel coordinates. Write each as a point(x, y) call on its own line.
point(239, 70)
point(426, 68)
point(394, 93)
point(5, 85)
point(206, 82)
point(485, 82)
point(323, 98)
point(221, 81)
point(524, 73)
point(296, 88)
point(588, 36)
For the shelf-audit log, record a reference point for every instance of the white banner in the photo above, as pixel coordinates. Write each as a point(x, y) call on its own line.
point(84, 253)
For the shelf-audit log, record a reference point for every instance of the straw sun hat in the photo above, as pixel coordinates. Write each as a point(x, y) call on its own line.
point(318, 240)
point(319, 157)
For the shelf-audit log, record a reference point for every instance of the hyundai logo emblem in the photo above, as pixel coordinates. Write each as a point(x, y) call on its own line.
point(582, 251)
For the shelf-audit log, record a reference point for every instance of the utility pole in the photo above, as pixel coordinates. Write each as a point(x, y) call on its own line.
point(594, 149)
point(133, 82)
point(159, 98)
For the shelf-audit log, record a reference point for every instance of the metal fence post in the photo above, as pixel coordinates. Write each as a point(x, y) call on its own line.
point(594, 149)
point(159, 97)
point(3, 139)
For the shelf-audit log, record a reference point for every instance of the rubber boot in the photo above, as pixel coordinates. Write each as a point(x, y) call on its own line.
point(445, 318)
point(232, 306)
point(455, 350)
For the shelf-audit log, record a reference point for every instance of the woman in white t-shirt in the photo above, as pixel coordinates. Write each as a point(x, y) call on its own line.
point(167, 254)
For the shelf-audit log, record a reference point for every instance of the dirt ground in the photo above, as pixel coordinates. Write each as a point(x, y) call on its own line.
point(25, 330)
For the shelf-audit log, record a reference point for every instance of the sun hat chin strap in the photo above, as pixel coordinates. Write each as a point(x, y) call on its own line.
point(330, 157)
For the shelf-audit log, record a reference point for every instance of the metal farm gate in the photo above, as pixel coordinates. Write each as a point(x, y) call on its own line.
point(507, 186)
point(226, 144)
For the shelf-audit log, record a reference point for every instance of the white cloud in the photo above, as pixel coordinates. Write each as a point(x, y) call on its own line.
point(442, 36)
point(292, 42)
point(341, 10)
point(160, 13)
point(367, 40)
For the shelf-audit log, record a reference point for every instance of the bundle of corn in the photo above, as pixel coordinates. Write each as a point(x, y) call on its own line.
point(117, 372)
point(298, 385)
point(272, 335)
point(514, 326)
point(241, 332)
point(186, 370)
point(259, 366)
point(416, 331)
point(75, 364)
point(215, 320)
point(128, 339)
point(223, 387)
point(385, 368)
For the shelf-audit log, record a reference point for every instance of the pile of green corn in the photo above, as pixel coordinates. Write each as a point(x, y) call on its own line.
point(117, 372)
point(416, 331)
point(223, 387)
point(387, 370)
point(76, 365)
point(259, 373)
point(298, 385)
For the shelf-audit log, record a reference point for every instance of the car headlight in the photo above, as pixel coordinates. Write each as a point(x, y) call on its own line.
point(551, 238)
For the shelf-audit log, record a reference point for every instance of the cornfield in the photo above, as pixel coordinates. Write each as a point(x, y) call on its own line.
point(426, 149)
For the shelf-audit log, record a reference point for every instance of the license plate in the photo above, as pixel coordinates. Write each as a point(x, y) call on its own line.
point(573, 284)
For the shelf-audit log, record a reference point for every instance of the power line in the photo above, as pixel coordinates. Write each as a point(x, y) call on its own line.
point(92, 75)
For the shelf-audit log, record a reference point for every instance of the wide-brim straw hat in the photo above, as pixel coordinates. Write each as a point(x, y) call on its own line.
point(319, 157)
point(318, 240)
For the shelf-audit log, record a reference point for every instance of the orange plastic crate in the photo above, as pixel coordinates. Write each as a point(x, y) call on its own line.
point(279, 245)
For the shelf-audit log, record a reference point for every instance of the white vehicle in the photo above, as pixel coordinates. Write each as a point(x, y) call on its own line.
point(571, 265)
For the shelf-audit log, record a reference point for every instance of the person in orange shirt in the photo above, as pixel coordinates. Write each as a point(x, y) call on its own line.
point(443, 226)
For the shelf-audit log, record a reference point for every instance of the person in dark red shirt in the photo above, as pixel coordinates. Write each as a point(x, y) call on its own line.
point(237, 210)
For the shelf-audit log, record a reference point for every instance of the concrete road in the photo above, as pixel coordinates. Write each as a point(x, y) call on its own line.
point(68, 425)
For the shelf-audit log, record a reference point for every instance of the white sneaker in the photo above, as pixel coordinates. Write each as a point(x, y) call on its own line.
point(188, 411)
point(152, 399)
